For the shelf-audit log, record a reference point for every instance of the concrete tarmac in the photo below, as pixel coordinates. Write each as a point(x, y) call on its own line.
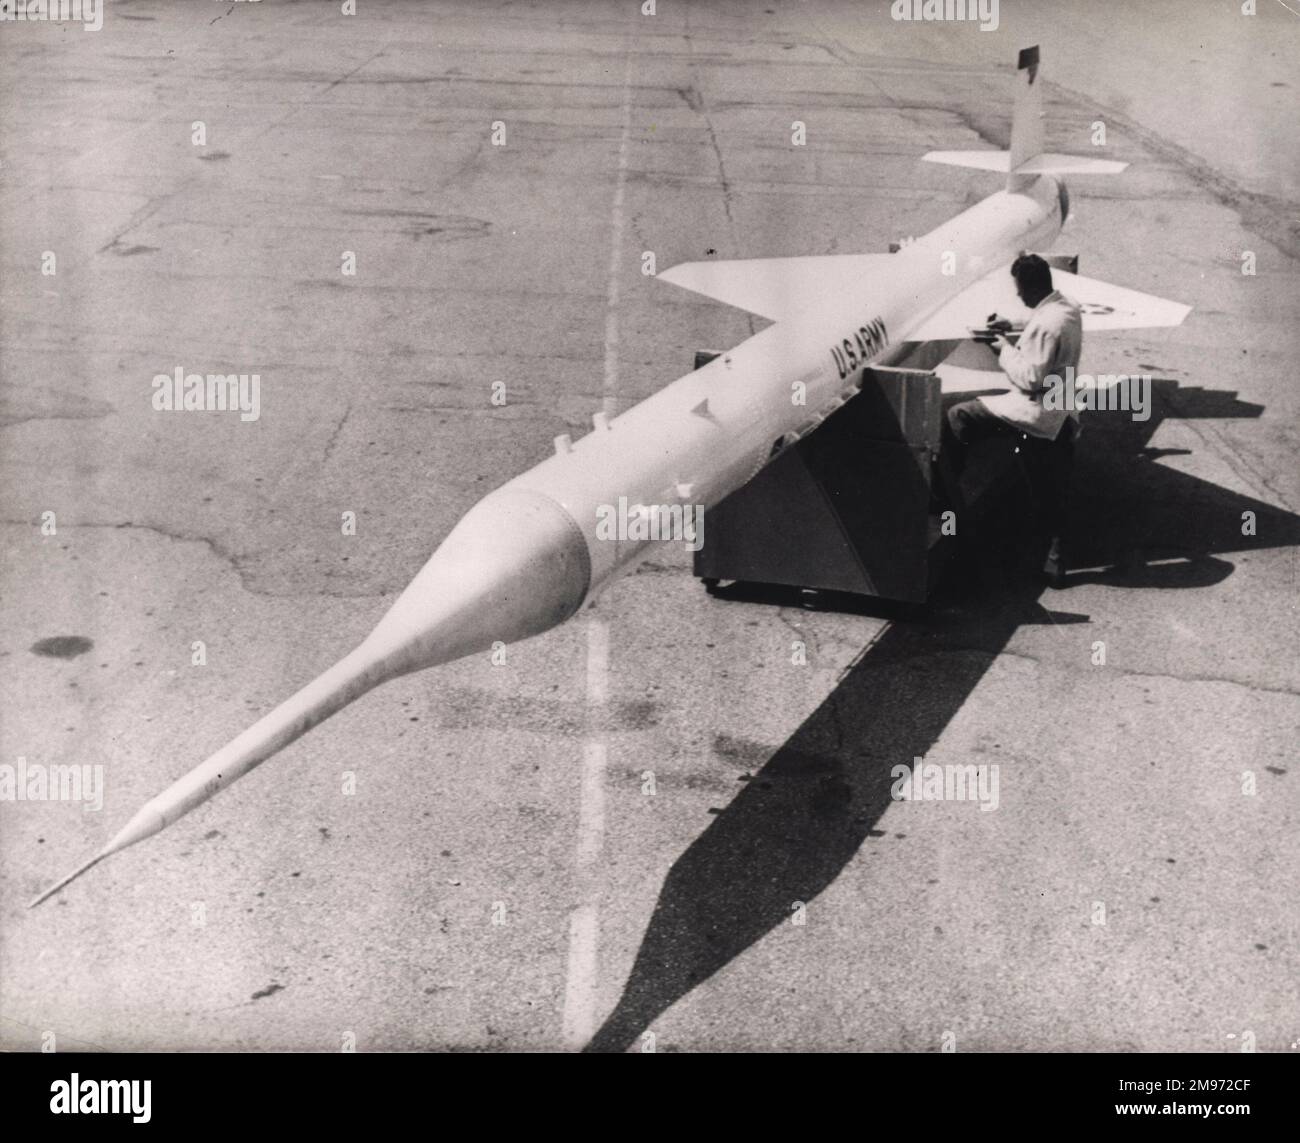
point(653, 828)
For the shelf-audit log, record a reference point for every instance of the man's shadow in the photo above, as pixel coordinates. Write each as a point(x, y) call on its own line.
point(791, 830)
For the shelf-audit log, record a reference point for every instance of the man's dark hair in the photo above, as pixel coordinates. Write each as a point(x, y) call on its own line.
point(1033, 273)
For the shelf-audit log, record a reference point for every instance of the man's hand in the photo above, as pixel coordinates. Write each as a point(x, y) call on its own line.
point(994, 328)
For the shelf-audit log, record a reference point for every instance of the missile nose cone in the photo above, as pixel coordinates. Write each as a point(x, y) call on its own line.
point(516, 565)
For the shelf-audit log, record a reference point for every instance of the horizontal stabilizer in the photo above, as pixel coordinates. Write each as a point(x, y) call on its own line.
point(774, 288)
point(1044, 164)
point(980, 160)
point(1104, 307)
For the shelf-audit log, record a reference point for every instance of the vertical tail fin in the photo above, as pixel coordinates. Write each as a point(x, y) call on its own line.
point(1026, 115)
point(1026, 157)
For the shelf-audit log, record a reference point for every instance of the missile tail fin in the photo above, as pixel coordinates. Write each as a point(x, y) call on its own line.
point(1026, 114)
point(1026, 158)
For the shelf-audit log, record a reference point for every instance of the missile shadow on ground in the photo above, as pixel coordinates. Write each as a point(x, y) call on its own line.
point(794, 827)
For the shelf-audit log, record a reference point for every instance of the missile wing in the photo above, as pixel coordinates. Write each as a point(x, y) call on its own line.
point(774, 288)
point(1104, 306)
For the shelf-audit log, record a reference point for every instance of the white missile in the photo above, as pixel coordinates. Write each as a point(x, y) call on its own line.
point(530, 554)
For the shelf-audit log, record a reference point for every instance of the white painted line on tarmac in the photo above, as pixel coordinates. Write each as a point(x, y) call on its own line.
point(583, 972)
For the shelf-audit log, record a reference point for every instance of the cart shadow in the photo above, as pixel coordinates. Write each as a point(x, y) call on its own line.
point(794, 827)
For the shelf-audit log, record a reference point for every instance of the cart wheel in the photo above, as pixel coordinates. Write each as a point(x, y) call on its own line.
point(1054, 565)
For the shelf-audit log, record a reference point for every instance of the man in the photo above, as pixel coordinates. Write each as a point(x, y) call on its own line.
point(1050, 344)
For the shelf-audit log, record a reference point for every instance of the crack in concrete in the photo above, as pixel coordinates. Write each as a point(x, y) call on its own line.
point(694, 97)
point(338, 429)
point(812, 645)
point(1128, 673)
point(8, 422)
point(1216, 443)
point(231, 559)
point(148, 210)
